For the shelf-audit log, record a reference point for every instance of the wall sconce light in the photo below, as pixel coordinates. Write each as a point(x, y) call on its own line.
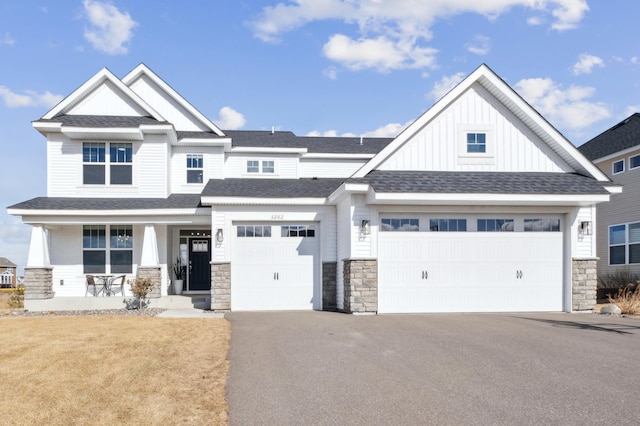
point(585, 228)
point(219, 236)
point(365, 228)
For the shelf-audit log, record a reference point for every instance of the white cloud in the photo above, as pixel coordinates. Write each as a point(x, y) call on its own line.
point(535, 20)
point(565, 108)
point(397, 28)
point(7, 40)
point(28, 99)
point(631, 109)
point(586, 63)
point(331, 73)
point(446, 83)
point(390, 130)
point(230, 119)
point(479, 45)
point(110, 29)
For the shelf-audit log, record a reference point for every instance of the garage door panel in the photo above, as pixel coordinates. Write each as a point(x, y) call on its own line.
point(470, 272)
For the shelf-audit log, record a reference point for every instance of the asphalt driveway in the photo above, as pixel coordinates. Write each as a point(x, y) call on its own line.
point(321, 368)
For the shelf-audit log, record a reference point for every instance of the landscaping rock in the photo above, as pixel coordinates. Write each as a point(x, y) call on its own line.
point(610, 309)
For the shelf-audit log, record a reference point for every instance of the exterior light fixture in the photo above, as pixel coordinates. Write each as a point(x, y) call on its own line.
point(585, 228)
point(365, 228)
point(219, 236)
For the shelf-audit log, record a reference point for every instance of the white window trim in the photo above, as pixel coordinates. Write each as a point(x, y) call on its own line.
point(629, 159)
point(260, 171)
point(627, 243)
point(487, 157)
point(107, 166)
point(613, 170)
point(187, 169)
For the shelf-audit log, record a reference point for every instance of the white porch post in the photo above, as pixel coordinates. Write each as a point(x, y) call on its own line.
point(150, 247)
point(38, 248)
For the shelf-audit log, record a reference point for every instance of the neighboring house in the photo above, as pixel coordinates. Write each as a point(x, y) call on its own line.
point(8, 272)
point(478, 205)
point(617, 153)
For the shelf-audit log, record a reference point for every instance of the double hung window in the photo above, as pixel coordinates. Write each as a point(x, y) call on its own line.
point(195, 169)
point(95, 160)
point(264, 166)
point(624, 244)
point(119, 249)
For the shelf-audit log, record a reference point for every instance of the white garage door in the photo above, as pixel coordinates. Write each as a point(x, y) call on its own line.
point(275, 267)
point(469, 272)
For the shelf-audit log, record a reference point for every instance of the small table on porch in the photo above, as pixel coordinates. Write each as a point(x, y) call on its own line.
point(106, 284)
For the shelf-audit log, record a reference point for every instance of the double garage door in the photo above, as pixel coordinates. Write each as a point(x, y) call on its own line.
point(470, 272)
point(276, 267)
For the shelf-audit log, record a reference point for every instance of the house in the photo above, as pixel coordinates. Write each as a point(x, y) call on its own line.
point(8, 272)
point(479, 205)
point(616, 152)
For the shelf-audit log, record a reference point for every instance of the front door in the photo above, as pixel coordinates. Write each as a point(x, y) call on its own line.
point(199, 277)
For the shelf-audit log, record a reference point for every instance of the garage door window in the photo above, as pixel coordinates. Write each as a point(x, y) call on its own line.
point(495, 225)
point(400, 225)
point(298, 231)
point(254, 231)
point(448, 225)
point(542, 225)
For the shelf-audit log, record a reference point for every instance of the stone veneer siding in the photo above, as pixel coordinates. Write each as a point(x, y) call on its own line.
point(154, 274)
point(360, 286)
point(38, 283)
point(221, 287)
point(584, 277)
point(329, 288)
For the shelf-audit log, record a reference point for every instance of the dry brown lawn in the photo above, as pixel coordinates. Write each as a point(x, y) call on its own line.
point(106, 370)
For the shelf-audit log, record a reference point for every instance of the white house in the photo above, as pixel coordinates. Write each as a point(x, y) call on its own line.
point(479, 205)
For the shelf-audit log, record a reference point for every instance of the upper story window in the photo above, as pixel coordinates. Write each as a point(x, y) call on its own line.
point(195, 169)
point(634, 162)
point(495, 225)
point(95, 159)
point(264, 166)
point(618, 167)
point(624, 244)
point(542, 225)
point(476, 143)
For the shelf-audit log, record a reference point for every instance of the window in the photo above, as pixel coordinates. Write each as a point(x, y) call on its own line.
point(268, 166)
point(476, 143)
point(6, 278)
point(634, 162)
point(253, 231)
point(195, 169)
point(287, 231)
point(624, 244)
point(618, 167)
point(542, 225)
point(253, 166)
point(94, 171)
point(448, 225)
point(495, 225)
point(400, 225)
point(120, 249)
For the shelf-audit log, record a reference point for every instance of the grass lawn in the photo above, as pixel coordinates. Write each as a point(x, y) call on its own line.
point(113, 370)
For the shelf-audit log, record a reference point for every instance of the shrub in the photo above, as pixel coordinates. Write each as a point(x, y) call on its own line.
point(622, 278)
point(140, 287)
point(628, 299)
point(16, 300)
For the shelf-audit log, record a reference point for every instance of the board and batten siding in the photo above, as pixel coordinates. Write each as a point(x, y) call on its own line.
point(622, 208)
point(213, 163)
point(440, 144)
point(107, 100)
point(286, 167)
point(166, 106)
point(327, 168)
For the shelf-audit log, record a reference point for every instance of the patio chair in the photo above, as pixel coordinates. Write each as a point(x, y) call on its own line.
point(91, 286)
point(117, 285)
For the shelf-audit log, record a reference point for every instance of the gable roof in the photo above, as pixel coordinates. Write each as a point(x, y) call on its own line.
point(100, 121)
point(174, 201)
point(504, 94)
point(6, 263)
point(143, 70)
point(624, 135)
point(272, 188)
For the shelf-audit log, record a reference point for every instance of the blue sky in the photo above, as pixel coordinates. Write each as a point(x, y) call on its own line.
point(321, 67)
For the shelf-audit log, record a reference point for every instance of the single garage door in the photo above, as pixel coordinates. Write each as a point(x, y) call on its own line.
point(469, 272)
point(275, 267)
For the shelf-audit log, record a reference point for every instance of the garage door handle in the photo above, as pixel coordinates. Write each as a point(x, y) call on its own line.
point(519, 274)
point(425, 275)
point(276, 275)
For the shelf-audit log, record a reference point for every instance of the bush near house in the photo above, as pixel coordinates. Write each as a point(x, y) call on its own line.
point(610, 284)
point(628, 299)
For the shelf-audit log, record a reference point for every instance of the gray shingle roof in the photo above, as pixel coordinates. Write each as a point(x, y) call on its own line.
point(482, 182)
point(623, 135)
point(101, 120)
point(175, 201)
point(272, 188)
point(6, 263)
point(196, 135)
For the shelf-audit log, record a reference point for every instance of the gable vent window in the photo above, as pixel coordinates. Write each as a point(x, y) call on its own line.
point(618, 167)
point(195, 170)
point(476, 143)
point(94, 163)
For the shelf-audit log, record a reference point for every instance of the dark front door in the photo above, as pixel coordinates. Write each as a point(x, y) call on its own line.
point(199, 266)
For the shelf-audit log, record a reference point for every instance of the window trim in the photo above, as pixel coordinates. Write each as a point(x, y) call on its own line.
point(486, 157)
point(104, 245)
point(634, 157)
point(613, 167)
point(626, 244)
point(197, 157)
point(107, 164)
point(259, 167)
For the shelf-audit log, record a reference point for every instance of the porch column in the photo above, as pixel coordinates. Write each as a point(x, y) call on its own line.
point(150, 261)
point(38, 274)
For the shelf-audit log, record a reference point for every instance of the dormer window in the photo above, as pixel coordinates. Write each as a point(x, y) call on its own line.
point(253, 166)
point(476, 143)
point(195, 170)
point(264, 166)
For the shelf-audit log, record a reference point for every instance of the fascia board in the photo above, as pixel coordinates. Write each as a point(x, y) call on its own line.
point(309, 201)
point(486, 199)
point(203, 142)
point(337, 156)
point(91, 84)
point(45, 127)
point(119, 133)
point(622, 153)
point(260, 150)
point(36, 214)
point(346, 189)
point(142, 69)
point(614, 189)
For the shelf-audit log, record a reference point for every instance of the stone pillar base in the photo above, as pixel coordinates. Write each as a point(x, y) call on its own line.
point(584, 277)
point(38, 283)
point(360, 286)
point(329, 289)
point(154, 274)
point(221, 287)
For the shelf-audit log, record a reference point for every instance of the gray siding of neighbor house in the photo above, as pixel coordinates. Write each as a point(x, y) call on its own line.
point(623, 208)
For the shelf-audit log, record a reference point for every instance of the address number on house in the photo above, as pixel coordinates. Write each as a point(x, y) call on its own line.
point(277, 216)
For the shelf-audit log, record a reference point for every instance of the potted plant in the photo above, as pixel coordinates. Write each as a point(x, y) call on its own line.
point(178, 273)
